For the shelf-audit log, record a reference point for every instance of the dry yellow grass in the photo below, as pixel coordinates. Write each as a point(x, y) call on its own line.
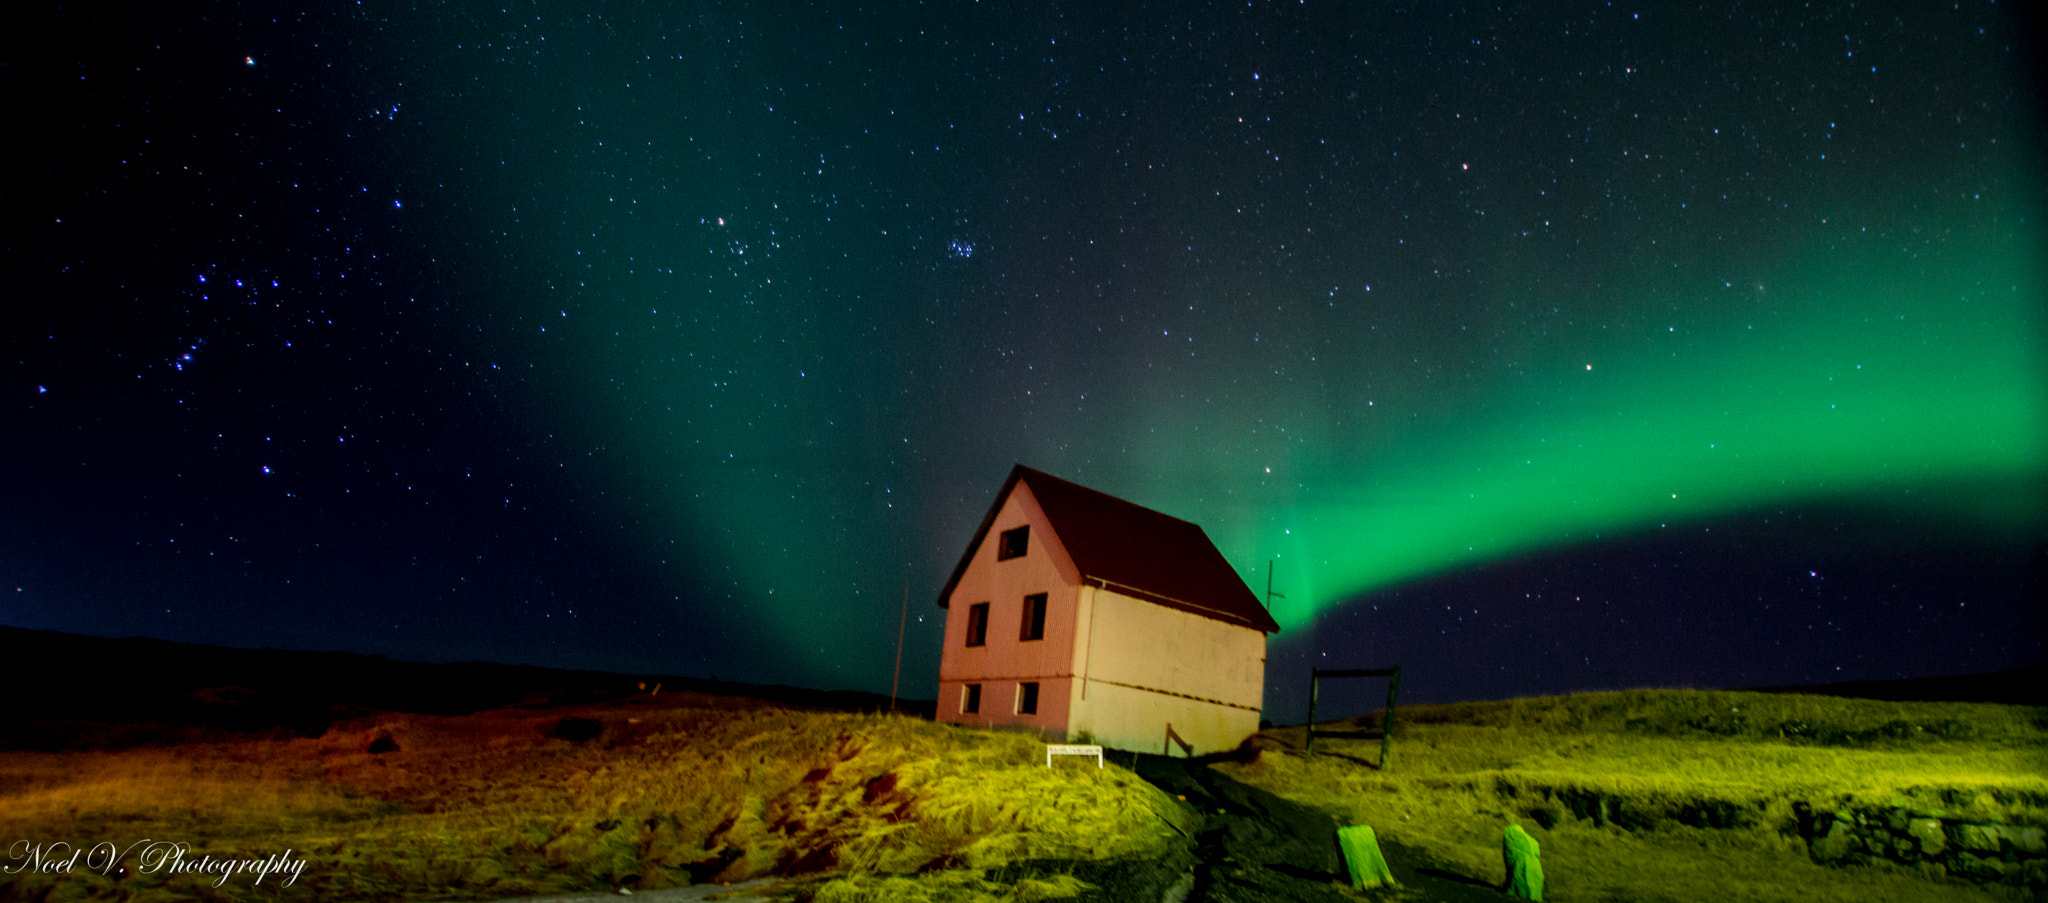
point(491, 805)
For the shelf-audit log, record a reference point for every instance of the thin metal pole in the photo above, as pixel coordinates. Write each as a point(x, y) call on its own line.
point(1270, 594)
point(901, 620)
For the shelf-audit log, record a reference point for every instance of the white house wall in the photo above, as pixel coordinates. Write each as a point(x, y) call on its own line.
point(1141, 667)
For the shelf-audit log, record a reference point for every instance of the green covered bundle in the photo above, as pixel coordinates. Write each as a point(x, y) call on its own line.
point(1525, 870)
point(1362, 857)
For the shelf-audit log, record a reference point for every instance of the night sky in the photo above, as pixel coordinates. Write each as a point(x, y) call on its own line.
point(1574, 346)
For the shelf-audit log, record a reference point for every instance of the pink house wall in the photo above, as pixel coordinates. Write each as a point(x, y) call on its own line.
point(1005, 660)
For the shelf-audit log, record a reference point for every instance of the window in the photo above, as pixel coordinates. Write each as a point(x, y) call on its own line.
point(1034, 617)
point(1013, 543)
point(1027, 698)
point(970, 699)
point(977, 624)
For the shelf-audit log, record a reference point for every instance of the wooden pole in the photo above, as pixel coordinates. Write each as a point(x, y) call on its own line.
point(901, 620)
point(1387, 729)
point(1314, 684)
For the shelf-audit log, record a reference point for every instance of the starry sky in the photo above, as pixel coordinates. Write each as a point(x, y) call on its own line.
point(1536, 349)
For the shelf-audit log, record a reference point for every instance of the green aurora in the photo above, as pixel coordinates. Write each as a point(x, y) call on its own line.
point(1552, 347)
point(1871, 377)
point(1918, 395)
point(803, 332)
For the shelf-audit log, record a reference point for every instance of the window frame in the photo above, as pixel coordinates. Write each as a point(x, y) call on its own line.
point(977, 624)
point(1007, 549)
point(1033, 626)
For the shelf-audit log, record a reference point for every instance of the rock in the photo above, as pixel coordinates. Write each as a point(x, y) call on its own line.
point(1840, 844)
point(1928, 831)
point(1976, 838)
point(2030, 841)
point(1979, 868)
point(1903, 849)
point(1895, 819)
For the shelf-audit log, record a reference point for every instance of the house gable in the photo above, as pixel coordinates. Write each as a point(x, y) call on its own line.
point(1125, 547)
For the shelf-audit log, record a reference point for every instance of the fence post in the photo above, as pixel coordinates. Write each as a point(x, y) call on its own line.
point(1187, 750)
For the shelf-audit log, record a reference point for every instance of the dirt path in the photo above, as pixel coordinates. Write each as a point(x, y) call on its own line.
point(1254, 847)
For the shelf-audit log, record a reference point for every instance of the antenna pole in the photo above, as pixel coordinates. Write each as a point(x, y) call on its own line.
point(1270, 594)
point(901, 620)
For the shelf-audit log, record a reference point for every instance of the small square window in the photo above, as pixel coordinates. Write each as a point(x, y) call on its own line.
point(970, 699)
point(1013, 543)
point(977, 624)
point(1027, 698)
point(1034, 617)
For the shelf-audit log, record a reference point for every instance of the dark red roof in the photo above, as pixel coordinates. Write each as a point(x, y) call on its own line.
point(1133, 550)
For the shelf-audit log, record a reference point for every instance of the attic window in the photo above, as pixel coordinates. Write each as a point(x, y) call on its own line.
point(1013, 543)
point(1034, 617)
point(977, 624)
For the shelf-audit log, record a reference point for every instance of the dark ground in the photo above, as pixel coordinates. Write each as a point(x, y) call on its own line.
point(71, 691)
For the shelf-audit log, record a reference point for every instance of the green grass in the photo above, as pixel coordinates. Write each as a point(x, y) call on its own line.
point(1671, 795)
point(490, 805)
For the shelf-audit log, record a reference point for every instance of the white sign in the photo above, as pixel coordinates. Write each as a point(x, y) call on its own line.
point(1054, 749)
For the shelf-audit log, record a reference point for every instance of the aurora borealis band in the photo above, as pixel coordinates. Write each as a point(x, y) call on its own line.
point(1877, 412)
point(1605, 347)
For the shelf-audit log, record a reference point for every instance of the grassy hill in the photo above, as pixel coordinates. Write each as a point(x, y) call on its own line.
point(1676, 795)
point(495, 782)
point(646, 793)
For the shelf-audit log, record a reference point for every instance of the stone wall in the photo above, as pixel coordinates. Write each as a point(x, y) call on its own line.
point(1929, 839)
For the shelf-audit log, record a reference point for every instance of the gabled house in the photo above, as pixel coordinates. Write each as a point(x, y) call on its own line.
point(1087, 618)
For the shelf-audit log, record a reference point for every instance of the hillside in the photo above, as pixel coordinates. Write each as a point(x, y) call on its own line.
point(646, 793)
point(488, 781)
point(1699, 795)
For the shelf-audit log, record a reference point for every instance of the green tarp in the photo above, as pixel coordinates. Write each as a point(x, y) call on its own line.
point(1362, 857)
point(1525, 871)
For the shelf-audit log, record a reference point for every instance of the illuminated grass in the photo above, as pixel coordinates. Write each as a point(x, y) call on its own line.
point(492, 806)
point(1668, 765)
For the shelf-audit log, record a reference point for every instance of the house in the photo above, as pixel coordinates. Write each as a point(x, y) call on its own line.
point(1087, 618)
